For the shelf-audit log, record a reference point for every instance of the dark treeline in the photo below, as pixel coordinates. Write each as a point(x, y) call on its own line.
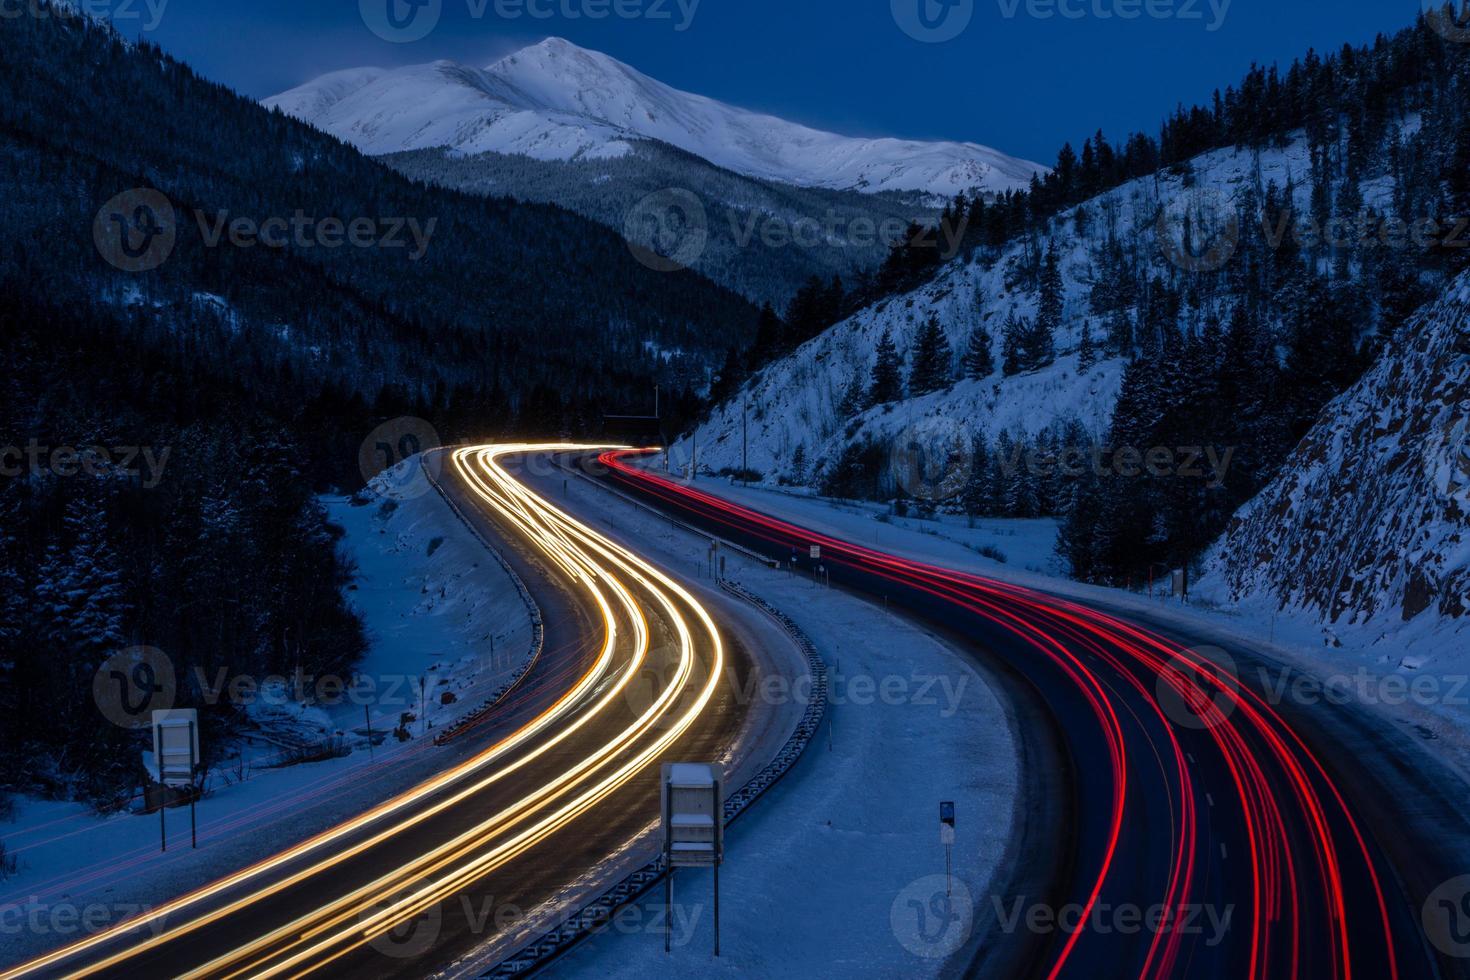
point(260, 371)
point(1239, 359)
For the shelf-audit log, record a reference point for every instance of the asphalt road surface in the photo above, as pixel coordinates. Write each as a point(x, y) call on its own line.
point(1201, 829)
point(562, 776)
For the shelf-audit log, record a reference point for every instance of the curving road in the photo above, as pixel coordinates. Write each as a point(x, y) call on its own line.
point(1202, 834)
point(566, 775)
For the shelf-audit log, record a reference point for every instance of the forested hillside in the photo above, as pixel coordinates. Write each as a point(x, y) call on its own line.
point(252, 372)
point(1208, 288)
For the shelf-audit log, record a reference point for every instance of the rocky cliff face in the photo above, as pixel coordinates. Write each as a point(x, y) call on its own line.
point(1370, 518)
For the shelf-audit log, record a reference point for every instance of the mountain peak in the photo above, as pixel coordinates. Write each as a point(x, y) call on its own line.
point(555, 100)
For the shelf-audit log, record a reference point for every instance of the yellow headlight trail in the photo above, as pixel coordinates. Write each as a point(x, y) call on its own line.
point(409, 906)
point(571, 547)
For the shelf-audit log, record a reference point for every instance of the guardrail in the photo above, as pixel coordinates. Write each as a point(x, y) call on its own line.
point(538, 631)
point(600, 911)
point(634, 501)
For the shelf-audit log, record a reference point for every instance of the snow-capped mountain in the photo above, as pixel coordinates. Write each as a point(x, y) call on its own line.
point(1369, 519)
point(796, 401)
point(556, 101)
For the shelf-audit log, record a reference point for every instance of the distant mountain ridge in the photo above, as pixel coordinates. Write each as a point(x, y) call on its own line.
point(556, 101)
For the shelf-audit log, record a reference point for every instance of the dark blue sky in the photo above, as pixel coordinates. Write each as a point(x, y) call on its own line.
point(1012, 79)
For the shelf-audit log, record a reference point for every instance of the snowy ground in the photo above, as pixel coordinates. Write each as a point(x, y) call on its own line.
point(1417, 673)
point(432, 598)
point(824, 877)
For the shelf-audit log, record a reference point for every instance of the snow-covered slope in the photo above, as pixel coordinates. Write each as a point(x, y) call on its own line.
point(795, 401)
point(556, 101)
point(1369, 520)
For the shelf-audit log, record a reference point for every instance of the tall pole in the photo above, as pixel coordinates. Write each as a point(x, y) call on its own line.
point(717, 906)
point(745, 441)
point(193, 794)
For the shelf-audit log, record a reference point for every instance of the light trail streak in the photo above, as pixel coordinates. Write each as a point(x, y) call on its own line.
point(596, 566)
point(1259, 749)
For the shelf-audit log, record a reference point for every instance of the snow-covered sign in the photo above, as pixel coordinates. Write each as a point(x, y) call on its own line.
point(694, 831)
point(946, 824)
point(175, 746)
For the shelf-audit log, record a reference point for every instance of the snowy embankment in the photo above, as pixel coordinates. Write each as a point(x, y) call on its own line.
point(834, 870)
point(433, 600)
point(1416, 673)
point(796, 401)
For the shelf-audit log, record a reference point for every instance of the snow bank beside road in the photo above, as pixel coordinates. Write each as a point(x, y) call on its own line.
point(431, 597)
point(838, 871)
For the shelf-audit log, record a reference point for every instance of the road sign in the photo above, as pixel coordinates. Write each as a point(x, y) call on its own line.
point(175, 746)
point(694, 827)
point(175, 757)
point(946, 824)
point(816, 552)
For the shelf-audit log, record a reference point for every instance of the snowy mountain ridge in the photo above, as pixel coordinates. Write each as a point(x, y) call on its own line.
point(1370, 518)
point(556, 101)
point(795, 401)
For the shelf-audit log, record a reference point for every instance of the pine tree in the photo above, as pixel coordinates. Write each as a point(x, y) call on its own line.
point(979, 360)
point(887, 382)
point(1086, 353)
point(933, 366)
point(798, 465)
point(976, 499)
point(1014, 345)
point(1041, 350)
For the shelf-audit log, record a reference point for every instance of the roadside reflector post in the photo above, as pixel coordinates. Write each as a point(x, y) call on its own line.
point(694, 829)
point(946, 837)
point(175, 759)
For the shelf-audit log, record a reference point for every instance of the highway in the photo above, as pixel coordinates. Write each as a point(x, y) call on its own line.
point(561, 777)
point(1184, 798)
